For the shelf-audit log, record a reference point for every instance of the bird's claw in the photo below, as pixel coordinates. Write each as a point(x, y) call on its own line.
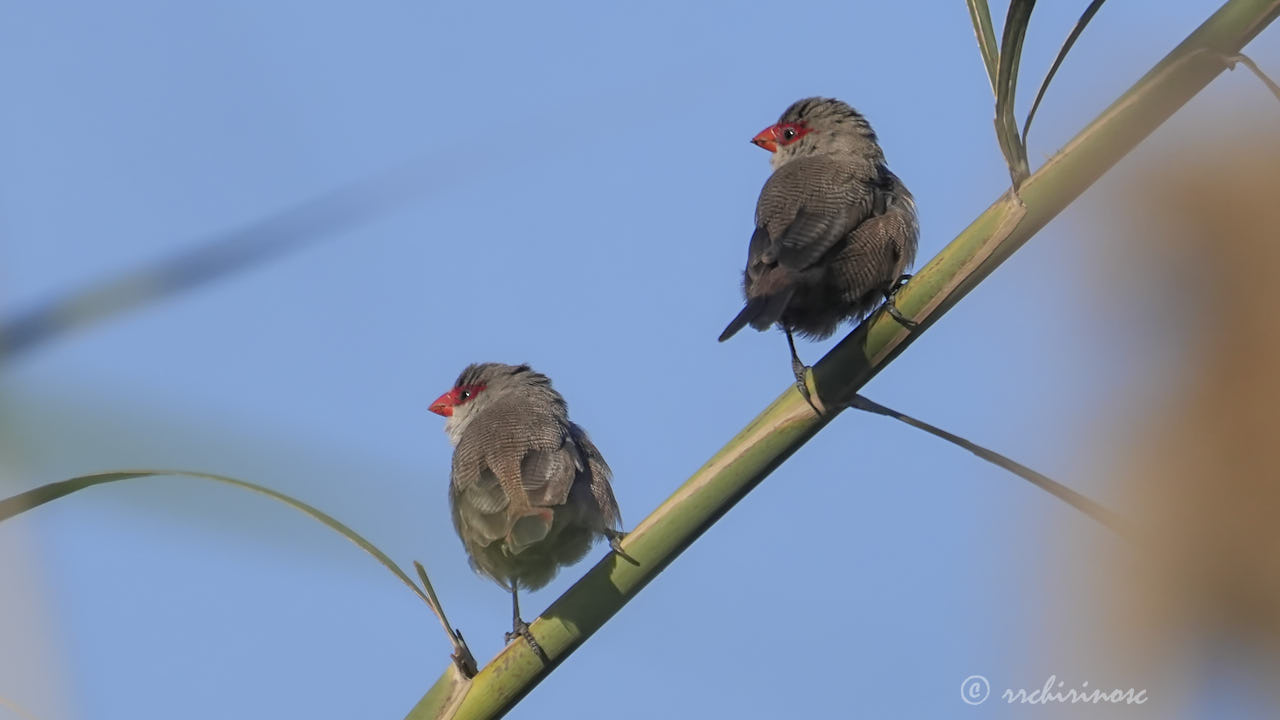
point(893, 310)
point(802, 386)
point(896, 314)
point(801, 372)
point(615, 543)
point(521, 629)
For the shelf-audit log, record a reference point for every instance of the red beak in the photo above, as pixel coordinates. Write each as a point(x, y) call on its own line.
point(767, 138)
point(443, 405)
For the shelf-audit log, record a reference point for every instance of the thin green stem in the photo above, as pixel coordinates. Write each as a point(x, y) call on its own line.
point(980, 14)
point(1080, 25)
point(1015, 31)
point(1096, 510)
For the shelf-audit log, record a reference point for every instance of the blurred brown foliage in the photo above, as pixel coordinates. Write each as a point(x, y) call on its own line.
point(1201, 470)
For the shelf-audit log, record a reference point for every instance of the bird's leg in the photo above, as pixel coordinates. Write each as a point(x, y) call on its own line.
point(517, 625)
point(615, 542)
point(893, 310)
point(799, 369)
point(520, 628)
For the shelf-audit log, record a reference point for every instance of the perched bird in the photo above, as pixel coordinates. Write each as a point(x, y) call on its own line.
point(529, 492)
point(835, 230)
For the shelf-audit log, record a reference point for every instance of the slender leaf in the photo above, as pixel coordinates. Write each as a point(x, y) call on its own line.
point(1015, 30)
point(1081, 24)
point(1096, 510)
point(462, 656)
point(980, 14)
point(36, 497)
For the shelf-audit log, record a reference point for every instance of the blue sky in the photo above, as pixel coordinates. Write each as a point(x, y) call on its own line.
point(590, 207)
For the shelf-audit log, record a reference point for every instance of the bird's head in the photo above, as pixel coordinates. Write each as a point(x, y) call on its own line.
point(480, 384)
point(818, 125)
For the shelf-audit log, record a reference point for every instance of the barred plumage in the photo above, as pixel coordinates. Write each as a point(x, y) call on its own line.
point(529, 491)
point(834, 227)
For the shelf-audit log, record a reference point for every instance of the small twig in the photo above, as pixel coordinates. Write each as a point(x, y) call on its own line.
point(462, 656)
point(1231, 61)
point(1093, 509)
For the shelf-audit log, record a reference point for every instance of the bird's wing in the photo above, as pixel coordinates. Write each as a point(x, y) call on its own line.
point(601, 479)
point(478, 502)
point(520, 467)
point(893, 223)
point(757, 251)
point(546, 475)
point(882, 247)
point(809, 237)
point(821, 200)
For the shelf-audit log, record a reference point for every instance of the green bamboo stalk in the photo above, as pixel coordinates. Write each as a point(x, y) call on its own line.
point(789, 422)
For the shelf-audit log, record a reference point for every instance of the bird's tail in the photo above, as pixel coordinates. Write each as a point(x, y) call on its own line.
point(760, 311)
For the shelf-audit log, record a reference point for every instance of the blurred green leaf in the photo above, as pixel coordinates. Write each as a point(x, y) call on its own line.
point(219, 256)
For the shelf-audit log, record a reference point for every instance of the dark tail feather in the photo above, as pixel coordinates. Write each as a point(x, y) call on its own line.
point(753, 307)
point(761, 312)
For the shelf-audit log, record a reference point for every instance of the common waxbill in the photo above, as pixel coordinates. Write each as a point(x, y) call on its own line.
point(834, 228)
point(529, 492)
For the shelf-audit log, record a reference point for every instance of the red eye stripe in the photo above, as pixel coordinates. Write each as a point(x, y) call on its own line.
point(776, 136)
point(787, 133)
point(460, 395)
point(466, 393)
